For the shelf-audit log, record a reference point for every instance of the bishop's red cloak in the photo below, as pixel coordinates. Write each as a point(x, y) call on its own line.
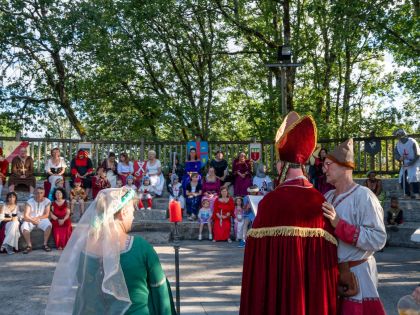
point(290, 264)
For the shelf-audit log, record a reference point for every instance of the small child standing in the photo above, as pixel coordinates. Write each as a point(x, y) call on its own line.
point(77, 196)
point(395, 213)
point(146, 192)
point(204, 215)
point(239, 218)
point(130, 183)
point(175, 191)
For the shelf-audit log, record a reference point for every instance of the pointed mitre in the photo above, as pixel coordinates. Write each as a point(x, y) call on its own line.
point(296, 138)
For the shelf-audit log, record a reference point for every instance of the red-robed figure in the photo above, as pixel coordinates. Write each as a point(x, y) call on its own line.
point(290, 264)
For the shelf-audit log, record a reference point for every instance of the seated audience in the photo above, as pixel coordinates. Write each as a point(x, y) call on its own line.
point(82, 168)
point(223, 213)
point(211, 186)
point(9, 224)
point(262, 180)
point(248, 213)
point(175, 191)
point(220, 166)
point(36, 214)
point(59, 183)
point(192, 165)
point(110, 166)
point(139, 167)
point(60, 219)
point(4, 168)
point(55, 167)
point(395, 213)
point(154, 171)
point(100, 181)
point(321, 179)
point(77, 197)
point(22, 172)
point(194, 191)
point(146, 191)
point(374, 184)
point(124, 168)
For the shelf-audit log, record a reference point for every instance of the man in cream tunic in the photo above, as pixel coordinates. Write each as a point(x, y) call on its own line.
point(357, 216)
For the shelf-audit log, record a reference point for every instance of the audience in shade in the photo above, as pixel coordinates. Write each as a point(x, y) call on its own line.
point(36, 214)
point(220, 166)
point(77, 197)
point(10, 217)
point(60, 219)
point(146, 192)
point(194, 191)
point(139, 168)
point(262, 180)
point(100, 182)
point(110, 166)
point(4, 168)
point(154, 171)
point(55, 167)
point(204, 217)
point(175, 191)
point(192, 165)
point(223, 212)
point(242, 173)
point(22, 172)
point(129, 183)
point(395, 213)
point(211, 186)
point(59, 183)
point(82, 168)
point(125, 167)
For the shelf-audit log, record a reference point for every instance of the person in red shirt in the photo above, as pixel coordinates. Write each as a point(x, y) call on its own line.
point(4, 167)
point(290, 263)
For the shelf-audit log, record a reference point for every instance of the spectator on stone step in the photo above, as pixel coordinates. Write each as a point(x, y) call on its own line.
point(154, 171)
point(125, 167)
point(146, 191)
point(407, 151)
point(242, 172)
point(211, 186)
point(36, 214)
point(395, 213)
point(375, 185)
point(130, 183)
point(194, 191)
point(82, 168)
point(55, 167)
point(221, 168)
point(10, 217)
point(175, 191)
point(4, 168)
point(22, 172)
point(77, 197)
point(100, 182)
point(60, 219)
point(262, 180)
point(59, 183)
point(110, 166)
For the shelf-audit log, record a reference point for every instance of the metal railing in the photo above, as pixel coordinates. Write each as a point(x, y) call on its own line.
point(39, 148)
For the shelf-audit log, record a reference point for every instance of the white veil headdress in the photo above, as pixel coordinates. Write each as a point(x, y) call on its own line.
point(96, 235)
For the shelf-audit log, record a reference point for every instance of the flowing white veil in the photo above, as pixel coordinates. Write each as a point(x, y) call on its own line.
point(95, 238)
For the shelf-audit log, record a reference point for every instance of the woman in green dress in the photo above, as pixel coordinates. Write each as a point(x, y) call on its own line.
point(103, 270)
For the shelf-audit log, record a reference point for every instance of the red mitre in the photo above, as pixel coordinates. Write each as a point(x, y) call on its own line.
point(296, 138)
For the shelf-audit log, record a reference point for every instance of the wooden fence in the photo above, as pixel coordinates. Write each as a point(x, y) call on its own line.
point(39, 148)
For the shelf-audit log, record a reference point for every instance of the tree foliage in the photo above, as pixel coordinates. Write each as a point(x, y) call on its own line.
point(178, 69)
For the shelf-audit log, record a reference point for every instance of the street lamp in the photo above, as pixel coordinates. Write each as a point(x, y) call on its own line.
point(284, 60)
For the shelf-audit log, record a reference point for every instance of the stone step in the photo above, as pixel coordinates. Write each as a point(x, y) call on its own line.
point(402, 236)
point(153, 214)
point(411, 209)
point(155, 238)
point(37, 239)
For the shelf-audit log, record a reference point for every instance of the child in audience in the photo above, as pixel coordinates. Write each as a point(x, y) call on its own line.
point(59, 183)
point(175, 191)
point(130, 183)
point(77, 196)
point(204, 215)
point(119, 183)
point(100, 182)
point(395, 213)
point(239, 218)
point(248, 214)
point(146, 192)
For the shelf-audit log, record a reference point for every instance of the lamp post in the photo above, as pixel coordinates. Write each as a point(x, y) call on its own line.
point(175, 216)
point(284, 60)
